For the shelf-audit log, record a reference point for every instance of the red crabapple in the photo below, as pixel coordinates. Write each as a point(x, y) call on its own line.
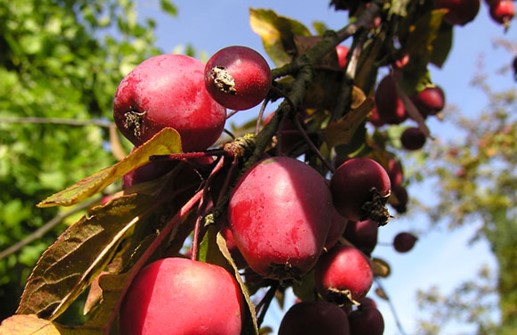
point(181, 296)
point(389, 106)
point(238, 77)
point(366, 320)
point(279, 214)
point(502, 11)
point(337, 228)
point(314, 318)
point(360, 188)
point(404, 242)
point(168, 91)
point(343, 274)
point(412, 138)
point(430, 100)
point(362, 234)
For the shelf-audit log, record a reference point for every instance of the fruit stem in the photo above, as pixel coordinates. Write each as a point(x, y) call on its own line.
point(263, 305)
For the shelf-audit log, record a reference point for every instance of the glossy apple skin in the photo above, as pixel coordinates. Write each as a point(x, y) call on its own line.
point(314, 318)
point(343, 268)
point(342, 52)
point(502, 11)
point(351, 186)
point(279, 213)
point(429, 101)
point(363, 235)
point(181, 296)
point(249, 71)
point(337, 228)
point(389, 107)
point(168, 91)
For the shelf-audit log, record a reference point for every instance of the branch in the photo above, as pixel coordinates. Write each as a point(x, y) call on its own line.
point(58, 121)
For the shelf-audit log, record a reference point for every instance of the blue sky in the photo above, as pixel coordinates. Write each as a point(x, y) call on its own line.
point(441, 257)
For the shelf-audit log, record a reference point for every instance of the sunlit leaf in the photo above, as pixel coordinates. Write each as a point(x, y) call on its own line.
point(277, 34)
point(32, 325)
point(250, 325)
point(381, 268)
point(165, 142)
point(69, 265)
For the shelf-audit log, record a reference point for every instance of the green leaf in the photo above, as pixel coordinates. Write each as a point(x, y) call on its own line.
point(81, 252)
point(168, 7)
point(442, 45)
point(419, 46)
point(166, 142)
point(277, 34)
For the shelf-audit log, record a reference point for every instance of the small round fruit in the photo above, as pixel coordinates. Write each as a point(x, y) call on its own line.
point(362, 234)
point(337, 228)
point(314, 318)
point(238, 77)
point(502, 11)
point(404, 242)
point(366, 320)
point(279, 213)
point(343, 274)
point(181, 296)
point(360, 188)
point(168, 91)
point(395, 172)
point(412, 138)
point(389, 107)
point(460, 12)
point(430, 100)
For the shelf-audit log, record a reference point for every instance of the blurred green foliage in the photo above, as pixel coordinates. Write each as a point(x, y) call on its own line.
point(59, 59)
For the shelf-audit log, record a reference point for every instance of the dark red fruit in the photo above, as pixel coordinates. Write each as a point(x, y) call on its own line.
point(395, 172)
point(412, 138)
point(168, 91)
point(404, 242)
point(430, 100)
point(390, 108)
point(360, 187)
point(238, 77)
point(342, 52)
point(460, 12)
point(363, 235)
point(314, 318)
point(337, 228)
point(502, 11)
point(366, 320)
point(399, 198)
point(280, 213)
point(182, 296)
point(343, 274)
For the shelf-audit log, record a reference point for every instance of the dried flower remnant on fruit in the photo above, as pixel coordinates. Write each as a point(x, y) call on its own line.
point(223, 80)
point(133, 119)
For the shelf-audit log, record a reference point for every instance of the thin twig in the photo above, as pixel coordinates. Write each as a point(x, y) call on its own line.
point(57, 121)
point(40, 232)
point(392, 308)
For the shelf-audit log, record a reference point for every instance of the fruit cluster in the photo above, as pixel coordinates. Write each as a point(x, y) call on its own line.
point(284, 223)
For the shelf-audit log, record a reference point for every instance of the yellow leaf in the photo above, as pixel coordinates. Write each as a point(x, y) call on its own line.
point(29, 324)
point(166, 142)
